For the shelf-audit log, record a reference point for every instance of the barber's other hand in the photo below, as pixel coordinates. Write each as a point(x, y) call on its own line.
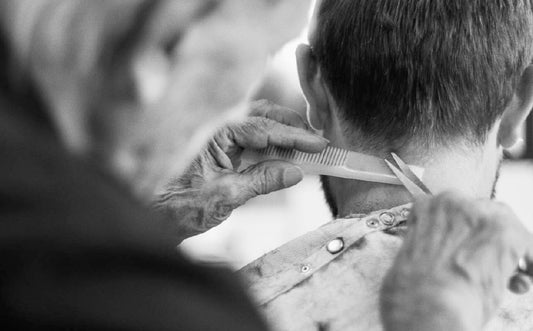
point(212, 188)
point(458, 257)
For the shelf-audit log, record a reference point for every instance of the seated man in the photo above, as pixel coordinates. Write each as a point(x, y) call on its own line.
point(445, 84)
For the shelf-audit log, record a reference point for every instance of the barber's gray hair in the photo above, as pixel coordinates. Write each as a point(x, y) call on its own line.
point(140, 84)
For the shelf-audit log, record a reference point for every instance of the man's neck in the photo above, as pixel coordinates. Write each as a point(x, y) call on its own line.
point(469, 171)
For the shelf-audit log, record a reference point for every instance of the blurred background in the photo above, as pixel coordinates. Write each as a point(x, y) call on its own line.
point(267, 222)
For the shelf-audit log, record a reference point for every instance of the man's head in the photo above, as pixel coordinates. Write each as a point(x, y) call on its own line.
point(419, 76)
point(136, 84)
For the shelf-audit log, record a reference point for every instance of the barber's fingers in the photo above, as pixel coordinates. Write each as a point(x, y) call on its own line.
point(516, 240)
point(439, 225)
point(258, 133)
point(517, 236)
point(520, 283)
point(283, 115)
point(479, 228)
point(201, 209)
point(235, 189)
point(270, 176)
point(522, 279)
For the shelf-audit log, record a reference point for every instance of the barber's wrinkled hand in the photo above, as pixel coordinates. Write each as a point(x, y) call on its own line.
point(455, 264)
point(212, 188)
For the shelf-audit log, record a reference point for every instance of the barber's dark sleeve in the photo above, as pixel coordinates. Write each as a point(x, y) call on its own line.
point(95, 289)
point(77, 252)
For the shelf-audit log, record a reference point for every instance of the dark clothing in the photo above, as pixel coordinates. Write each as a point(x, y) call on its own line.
point(19, 91)
point(78, 252)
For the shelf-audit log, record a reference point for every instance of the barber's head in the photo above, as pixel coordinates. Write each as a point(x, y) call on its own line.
point(420, 76)
point(136, 84)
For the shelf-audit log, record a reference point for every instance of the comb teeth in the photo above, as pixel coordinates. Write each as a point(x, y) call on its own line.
point(331, 156)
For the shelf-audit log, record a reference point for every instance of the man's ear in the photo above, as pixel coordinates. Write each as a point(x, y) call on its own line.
point(517, 112)
point(318, 111)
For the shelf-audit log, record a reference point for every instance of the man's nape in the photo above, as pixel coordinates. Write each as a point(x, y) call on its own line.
point(428, 80)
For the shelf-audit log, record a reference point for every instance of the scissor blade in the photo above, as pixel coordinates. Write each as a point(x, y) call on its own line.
point(410, 174)
point(414, 189)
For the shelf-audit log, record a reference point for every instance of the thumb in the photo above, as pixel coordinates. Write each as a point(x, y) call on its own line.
point(271, 176)
point(235, 189)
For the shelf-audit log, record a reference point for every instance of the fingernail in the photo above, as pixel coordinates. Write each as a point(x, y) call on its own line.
point(519, 143)
point(519, 285)
point(323, 139)
point(292, 176)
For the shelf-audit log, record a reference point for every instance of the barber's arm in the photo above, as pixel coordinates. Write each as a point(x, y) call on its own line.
point(458, 258)
point(212, 188)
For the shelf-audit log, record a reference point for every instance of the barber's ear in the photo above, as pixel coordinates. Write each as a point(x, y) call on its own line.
point(517, 112)
point(318, 111)
point(151, 74)
point(156, 45)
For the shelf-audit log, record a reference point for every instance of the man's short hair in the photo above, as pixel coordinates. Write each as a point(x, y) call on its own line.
point(423, 70)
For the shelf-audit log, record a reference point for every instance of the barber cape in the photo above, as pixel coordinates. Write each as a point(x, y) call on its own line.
point(330, 279)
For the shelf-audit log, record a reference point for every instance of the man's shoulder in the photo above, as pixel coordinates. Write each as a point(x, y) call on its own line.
point(335, 238)
point(329, 277)
point(314, 281)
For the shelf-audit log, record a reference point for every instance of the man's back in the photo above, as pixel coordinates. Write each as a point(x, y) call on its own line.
point(441, 83)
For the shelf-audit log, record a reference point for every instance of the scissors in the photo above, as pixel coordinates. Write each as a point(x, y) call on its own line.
point(409, 179)
point(417, 188)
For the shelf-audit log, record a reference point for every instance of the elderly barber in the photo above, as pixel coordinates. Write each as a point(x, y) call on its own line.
point(103, 104)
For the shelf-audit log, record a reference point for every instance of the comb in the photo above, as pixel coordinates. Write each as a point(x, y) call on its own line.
point(332, 161)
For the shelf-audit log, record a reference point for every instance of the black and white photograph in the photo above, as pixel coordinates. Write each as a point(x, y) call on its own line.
point(266, 165)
